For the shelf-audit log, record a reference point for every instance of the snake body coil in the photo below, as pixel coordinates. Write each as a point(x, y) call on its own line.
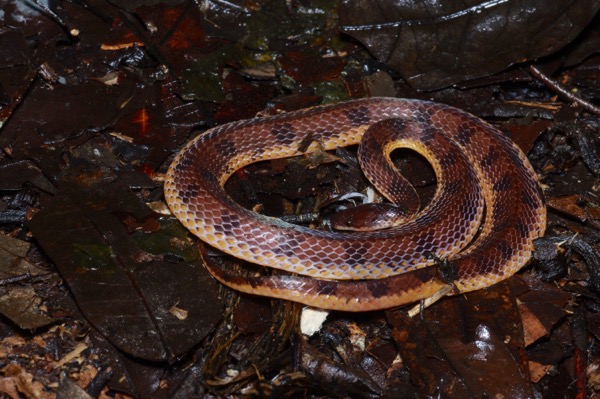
point(357, 271)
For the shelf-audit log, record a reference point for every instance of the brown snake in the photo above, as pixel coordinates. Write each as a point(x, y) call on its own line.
point(358, 271)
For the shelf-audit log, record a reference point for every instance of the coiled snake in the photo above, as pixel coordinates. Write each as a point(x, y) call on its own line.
point(482, 177)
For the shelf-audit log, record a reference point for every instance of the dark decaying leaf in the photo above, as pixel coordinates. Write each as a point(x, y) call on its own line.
point(22, 306)
point(146, 306)
point(19, 303)
point(330, 373)
point(139, 379)
point(436, 44)
point(14, 175)
point(455, 348)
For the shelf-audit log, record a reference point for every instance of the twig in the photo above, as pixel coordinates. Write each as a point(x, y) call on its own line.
point(563, 92)
point(15, 279)
point(48, 11)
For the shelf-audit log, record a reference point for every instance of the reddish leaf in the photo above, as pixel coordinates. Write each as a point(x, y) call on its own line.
point(306, 68)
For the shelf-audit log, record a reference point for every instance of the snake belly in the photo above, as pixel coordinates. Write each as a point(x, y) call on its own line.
point(361, 271)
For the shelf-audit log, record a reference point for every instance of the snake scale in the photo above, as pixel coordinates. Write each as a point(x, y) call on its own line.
point(480, 225)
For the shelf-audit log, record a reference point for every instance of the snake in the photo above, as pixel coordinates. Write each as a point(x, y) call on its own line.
point(477, 230)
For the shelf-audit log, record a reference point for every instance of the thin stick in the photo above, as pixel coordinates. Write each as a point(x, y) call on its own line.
point(46, 9)
point(563, 92)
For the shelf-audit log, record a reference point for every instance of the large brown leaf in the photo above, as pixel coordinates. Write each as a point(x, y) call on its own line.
point(147, 295)
point(437, 43)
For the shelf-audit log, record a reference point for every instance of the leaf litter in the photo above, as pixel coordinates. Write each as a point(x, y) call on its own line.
point(96, 98)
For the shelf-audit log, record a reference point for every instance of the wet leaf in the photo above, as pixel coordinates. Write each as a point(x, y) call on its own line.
point(437, 44)
point(463, 339)
point(122, 281)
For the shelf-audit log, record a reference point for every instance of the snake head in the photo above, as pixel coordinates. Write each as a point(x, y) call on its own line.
point(369, 217)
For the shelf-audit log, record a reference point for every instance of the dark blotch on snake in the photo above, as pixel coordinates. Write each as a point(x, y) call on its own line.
point(359, 116)
point(283, 133)
point(464, 135)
